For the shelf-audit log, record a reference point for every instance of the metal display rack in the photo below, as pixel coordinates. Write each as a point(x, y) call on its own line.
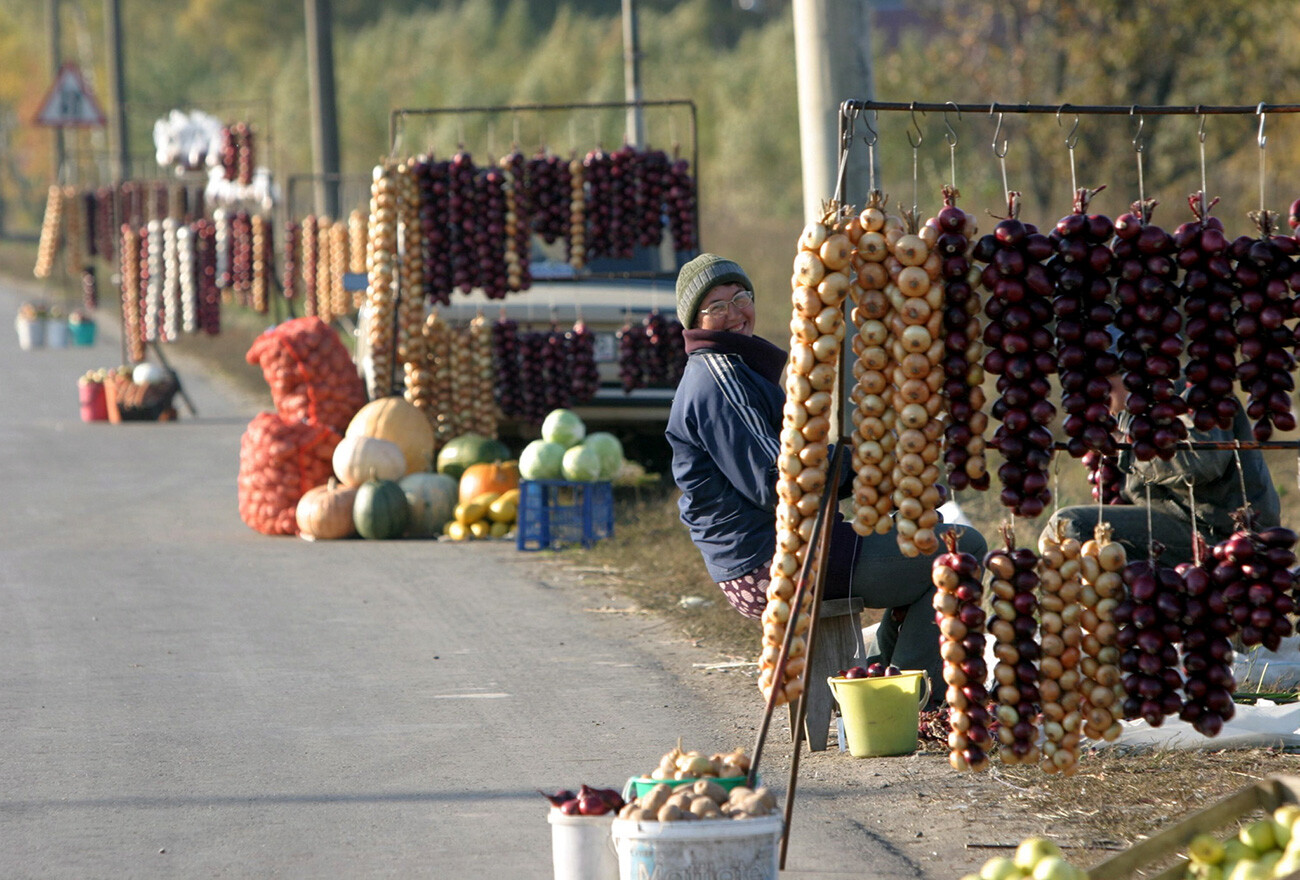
point(811, 576)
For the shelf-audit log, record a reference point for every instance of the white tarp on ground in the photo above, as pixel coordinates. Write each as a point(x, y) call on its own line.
point(1261, 725)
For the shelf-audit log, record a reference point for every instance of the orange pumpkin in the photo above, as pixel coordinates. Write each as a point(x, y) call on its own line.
point(496, 477)
point(325, 512)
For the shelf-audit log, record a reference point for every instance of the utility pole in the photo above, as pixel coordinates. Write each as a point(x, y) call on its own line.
point(832, 41)
point(324, 117)
point(53, 33)
point(118, 138)
point(632, 75)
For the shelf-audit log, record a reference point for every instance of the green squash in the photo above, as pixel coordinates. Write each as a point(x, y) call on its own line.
point(432, 499)
point(380, 510)
point(468, 449)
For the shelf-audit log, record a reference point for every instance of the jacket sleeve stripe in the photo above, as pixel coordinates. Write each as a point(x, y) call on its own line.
point(724, 373)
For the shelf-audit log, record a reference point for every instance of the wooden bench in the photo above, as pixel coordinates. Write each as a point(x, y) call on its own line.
point(839, 646)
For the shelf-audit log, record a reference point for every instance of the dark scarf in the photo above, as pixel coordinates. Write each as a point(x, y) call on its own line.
point(758, 354)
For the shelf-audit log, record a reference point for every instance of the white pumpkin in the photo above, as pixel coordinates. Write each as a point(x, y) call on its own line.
point(357, 459)
point(432, 500)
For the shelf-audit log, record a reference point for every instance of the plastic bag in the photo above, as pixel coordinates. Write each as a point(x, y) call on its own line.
point(310, 372)
point(281, 459)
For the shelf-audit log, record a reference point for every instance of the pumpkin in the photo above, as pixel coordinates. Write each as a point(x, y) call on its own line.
point(467, 449)
point(325, 513)
point(398, 421)
point(380, 511)
point(432, 499)
point(480, 479)
point(357, 459)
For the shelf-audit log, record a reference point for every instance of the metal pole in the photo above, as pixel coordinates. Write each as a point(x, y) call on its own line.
point(632, 75)
point(832, 42)
point(324, 121)
point(118, 134)
point(53, 33)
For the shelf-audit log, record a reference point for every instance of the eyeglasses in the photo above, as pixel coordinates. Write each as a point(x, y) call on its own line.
point(720, 308)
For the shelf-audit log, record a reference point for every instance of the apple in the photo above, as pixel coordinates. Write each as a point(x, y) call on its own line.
point(893, 670)
point(1288, 864)
point(1032, 850)
point(1281, 833)
point(1000, 868)
point(1259, 836)
point(1247, 869)
point(857, 672)
point(1205, 849)
point(1054, 868)
point(1235, 851)
point(875, 670)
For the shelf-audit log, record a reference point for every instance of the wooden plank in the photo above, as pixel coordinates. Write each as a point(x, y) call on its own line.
point(1265, 795)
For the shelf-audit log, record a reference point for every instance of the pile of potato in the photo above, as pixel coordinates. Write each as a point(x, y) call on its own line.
point(701, 799)
point(677, 764)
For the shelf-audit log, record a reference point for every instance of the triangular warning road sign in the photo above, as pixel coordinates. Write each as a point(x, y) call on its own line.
point(69, 101)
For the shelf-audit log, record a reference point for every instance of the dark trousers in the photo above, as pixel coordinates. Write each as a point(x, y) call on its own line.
point(1128, 524)
point(883, 577)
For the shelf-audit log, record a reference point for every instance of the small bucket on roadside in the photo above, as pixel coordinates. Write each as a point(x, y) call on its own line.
point(881, 714)
point(56, 333)
point(748, 848)
point(94, 401)
point(83, 333)
point(582, 848)
point(31, 332)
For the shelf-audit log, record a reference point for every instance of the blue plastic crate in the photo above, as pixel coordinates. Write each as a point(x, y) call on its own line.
point(553, 513)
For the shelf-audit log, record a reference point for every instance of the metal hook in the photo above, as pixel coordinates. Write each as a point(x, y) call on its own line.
point(1071, 139)
point(1260, 137)
point(950, 135)
point(849, 112)
point(997, 131)
point(871, 142)
point(1200, 129)
point(1138, 146)
point(920, 135)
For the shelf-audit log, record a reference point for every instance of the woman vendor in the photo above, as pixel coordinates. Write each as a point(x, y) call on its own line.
point(724, 429)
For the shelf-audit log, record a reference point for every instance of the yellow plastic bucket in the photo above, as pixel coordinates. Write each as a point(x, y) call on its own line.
point(881, 714)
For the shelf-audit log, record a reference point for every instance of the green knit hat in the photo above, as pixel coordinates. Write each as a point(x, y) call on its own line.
point(698, 277)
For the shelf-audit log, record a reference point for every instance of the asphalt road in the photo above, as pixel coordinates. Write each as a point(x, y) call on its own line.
point(183, 697)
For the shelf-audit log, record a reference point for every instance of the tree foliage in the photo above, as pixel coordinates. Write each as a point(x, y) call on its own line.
point(247, 59)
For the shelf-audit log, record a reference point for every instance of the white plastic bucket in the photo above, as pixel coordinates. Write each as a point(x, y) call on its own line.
point(740, 848)
point(31, 333)
point(581, 847)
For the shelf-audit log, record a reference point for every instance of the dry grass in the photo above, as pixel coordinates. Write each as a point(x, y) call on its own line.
point(1121, 795)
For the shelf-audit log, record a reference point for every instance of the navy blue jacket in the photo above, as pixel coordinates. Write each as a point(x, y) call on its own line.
point(724, 429)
